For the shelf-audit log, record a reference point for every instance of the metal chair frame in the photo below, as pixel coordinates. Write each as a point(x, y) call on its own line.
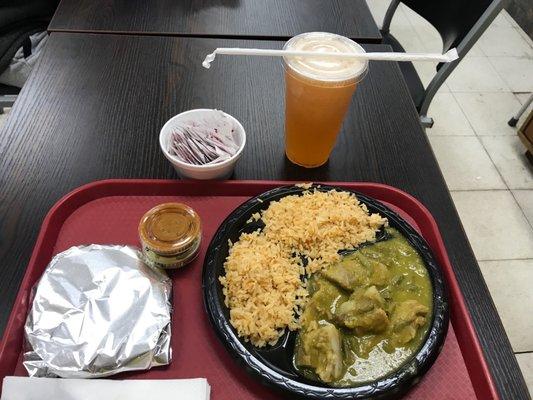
point(462, 49)
point(7, 100)
point(513, 121)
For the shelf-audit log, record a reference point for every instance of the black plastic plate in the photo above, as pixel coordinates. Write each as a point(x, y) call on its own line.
point(273, 365)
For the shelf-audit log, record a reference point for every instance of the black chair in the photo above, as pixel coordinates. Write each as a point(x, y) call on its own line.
point(18, 21)
point(460, 23)
point(8, 95)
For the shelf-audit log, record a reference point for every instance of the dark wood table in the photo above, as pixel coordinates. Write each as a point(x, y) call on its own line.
point(93, 107)
point(250, 19)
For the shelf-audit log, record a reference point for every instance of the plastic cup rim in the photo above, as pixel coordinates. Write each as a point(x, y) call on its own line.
point(358, 75)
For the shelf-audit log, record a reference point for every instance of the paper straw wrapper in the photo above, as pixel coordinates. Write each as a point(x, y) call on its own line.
point(449, 56)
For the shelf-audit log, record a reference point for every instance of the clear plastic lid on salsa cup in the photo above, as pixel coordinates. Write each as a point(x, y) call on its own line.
point(170, 235)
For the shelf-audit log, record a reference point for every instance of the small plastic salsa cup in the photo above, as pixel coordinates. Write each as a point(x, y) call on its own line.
point(170, 235)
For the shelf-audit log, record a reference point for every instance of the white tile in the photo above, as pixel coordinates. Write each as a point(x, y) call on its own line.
point(426, 71)
point(509, 284)
point(465, 163)
point(504, 41)
point(402, 29)
point(525, 361)
point(378, 8)
point(414, 18)
point(476, 74)
point(475, 51)
point(400, 19)
point(406, 35)
point(516, 72)
point(509, 18)
point(508, 154)
point(495, 225)
point(521, 32)
point(410, 14)
point(501, 20)
point(444, 89)
point(447, 116)
point(488, 113)
point(525, 201)
point(429, 36)
point(524, 35)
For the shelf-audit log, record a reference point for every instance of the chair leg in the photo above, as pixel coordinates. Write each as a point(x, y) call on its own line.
point(466, 44)
point(385, 27)
point(7, 100)
point(512, 122)
point(426, 122)
point(516, 117)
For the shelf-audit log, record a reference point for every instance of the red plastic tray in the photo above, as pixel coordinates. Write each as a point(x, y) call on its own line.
point(109, 211)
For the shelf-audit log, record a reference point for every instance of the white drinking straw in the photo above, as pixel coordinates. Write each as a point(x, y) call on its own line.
point(449, 56)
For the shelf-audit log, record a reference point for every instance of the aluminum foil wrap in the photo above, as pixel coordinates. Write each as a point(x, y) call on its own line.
point(97, 311)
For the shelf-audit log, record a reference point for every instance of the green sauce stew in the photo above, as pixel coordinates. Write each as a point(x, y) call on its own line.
point(366, 315)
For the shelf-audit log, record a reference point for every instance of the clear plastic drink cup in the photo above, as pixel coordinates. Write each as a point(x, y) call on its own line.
point(318, 92)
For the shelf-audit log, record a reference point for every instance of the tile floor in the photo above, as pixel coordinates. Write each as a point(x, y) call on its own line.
point(483, 160)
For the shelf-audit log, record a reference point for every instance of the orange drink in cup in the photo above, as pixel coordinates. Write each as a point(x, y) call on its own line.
point(318, 92)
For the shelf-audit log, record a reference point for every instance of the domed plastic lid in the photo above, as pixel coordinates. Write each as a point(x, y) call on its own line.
point(170, 228)
point(326, 69)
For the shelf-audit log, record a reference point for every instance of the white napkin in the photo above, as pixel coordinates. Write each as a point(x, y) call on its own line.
point(22, 388)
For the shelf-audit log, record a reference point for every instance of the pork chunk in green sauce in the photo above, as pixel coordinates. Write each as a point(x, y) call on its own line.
point(366, 315)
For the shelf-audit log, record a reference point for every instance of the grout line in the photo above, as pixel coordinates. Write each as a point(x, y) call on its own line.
point(476, 133)
point(505, 183)
point(522, 57)
point(523, 352)
point(493, 163)
point(508, 90)
point(480, 190)
point(517, 93)
point(523, 212)
point(505, 259)
point(506, 135)
point(485, 91)
point(498, 74)
point(509, 18)
point(520, 31)
point(497, 169)
point(493, 91)
point(528, 222)
point(465, 114)
point(524, 36)
point(434, 134)
point(495, 135)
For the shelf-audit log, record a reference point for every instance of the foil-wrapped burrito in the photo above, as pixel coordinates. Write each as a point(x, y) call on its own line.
point(97, 311)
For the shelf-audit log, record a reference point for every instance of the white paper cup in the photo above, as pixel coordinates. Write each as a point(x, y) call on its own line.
point(221, 170)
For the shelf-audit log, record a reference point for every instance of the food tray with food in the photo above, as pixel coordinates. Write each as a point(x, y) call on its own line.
point(108, 212)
